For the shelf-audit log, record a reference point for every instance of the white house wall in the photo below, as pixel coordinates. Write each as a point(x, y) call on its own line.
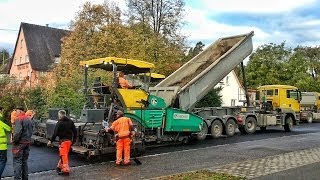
point(232, 92)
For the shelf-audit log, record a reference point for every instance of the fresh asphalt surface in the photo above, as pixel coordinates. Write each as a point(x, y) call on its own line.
point(43, 158)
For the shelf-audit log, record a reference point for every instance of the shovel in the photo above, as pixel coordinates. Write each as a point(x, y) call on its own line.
point(137, 161)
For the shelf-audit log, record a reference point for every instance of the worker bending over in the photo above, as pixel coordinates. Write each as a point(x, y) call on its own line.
point(123, 129)
point(67, 133)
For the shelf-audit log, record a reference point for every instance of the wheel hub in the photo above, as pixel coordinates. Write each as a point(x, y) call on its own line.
point(216, 129)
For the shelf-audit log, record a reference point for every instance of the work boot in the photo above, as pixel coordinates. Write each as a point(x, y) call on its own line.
point(58, 170)
point(117, 164)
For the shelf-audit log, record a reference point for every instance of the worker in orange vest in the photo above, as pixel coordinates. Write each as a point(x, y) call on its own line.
point(123, 82)
point(123, 129)
point(13, 117)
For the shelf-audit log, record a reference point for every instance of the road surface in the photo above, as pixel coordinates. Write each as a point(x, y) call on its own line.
point(211, 154)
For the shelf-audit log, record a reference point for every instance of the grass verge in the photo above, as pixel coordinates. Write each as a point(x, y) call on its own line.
point(203, 175)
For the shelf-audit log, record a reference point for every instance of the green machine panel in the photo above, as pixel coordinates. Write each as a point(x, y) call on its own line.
point(150, 118)
point(182, 121)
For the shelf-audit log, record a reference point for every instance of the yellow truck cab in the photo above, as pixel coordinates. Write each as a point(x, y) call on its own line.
point(280, 97)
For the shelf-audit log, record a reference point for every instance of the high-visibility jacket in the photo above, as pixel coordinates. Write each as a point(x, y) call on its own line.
point(3, 136)
point(124, 83)
point(122, 127)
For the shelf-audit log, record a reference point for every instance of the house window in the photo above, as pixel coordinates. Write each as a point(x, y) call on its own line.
point(21, 41)
point(28, 74)
point(20, 61)
point(15, 61)
point(27, 58)
point(20, 76)
point(233, 102)
point(227, 80)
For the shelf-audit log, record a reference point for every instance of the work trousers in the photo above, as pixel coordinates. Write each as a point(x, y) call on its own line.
point(3, 160)
point(123, 147)
point(20, 153)
point(64, 149)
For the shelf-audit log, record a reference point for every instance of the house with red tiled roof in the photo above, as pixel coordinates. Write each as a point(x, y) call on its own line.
point(37, 48)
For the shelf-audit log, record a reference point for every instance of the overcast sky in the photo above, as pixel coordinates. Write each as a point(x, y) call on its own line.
point(295, 21)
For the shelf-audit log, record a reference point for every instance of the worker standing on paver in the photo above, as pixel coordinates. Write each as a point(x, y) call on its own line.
point(23, 128)
point(3, 142)
point(123, 129)
point(67, 133)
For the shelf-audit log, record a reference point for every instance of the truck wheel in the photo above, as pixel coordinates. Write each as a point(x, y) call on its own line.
point(289, 124)
point(230, 127)
point(204, 131)
point(310, 118)
point(216, 129)
point(250, 125)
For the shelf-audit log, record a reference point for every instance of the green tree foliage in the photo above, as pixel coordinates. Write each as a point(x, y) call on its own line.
point(193, 51)
point(159, 23)
point(35, 100)
point(212, 99)
point(4, 54)
point(265, 65)
point(278, 64)
point(11, 96)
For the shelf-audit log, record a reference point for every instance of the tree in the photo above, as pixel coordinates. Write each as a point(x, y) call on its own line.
point(163, 16)
point(195, 51)
point(4, 55)
point(212, 99)
point(266, 65)
point(159, 23)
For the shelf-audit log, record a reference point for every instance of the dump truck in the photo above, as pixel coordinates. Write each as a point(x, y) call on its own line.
point(279, 106)
point(310, 106)
point(192, 81)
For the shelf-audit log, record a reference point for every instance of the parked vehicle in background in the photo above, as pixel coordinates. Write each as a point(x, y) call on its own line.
point(310, 106)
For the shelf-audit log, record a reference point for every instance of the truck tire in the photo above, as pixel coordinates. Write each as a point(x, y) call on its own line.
point(310, 118)
point(230, 127)
point(250, 125)
point(203, 134)
point(216, 129)
point(289, 124)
